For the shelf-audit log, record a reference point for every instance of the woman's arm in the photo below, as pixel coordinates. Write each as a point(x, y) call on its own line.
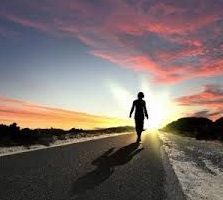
point(145, 111)
point(132, 109)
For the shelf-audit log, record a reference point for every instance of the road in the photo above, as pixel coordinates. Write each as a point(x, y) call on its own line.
point(110, 168)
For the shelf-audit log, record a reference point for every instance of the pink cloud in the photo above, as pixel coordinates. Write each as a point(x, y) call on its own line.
point(158, 38)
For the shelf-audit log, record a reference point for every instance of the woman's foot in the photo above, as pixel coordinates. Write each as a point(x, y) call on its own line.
point(138, 139)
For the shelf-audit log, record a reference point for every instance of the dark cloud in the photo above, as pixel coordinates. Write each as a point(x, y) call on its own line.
point(210, 98)
point(207, 114)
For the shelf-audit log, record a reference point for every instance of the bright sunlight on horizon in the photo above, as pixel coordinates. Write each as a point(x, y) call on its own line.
point(161, 109)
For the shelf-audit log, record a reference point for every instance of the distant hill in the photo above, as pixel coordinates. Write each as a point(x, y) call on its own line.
point(13, 135)
point(198, 127)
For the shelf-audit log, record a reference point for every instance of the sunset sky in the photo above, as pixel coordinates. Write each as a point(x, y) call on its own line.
point(80, 63)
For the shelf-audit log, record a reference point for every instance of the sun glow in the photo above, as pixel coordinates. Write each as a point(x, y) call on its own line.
point(161, 108)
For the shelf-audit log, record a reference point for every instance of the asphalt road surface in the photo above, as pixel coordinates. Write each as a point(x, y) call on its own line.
point(111, 168)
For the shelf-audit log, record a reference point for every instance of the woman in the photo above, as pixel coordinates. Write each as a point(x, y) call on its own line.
point(139, 105)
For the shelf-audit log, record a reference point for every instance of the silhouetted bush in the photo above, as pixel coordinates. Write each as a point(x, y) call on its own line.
point(13, 135)
point(218, 124)
point(198, 127)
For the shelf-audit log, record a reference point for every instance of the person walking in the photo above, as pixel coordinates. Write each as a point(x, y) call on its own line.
point(139, 105)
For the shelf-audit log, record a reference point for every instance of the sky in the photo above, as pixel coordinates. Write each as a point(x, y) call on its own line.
point(81, 63)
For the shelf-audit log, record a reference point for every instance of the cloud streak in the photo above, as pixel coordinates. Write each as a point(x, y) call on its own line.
point(33, 115)
point(210, 99)
point(170, 40)
point(207, 114)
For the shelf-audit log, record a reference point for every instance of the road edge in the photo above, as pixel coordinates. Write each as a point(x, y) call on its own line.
point(79, 140)
point(172, 185)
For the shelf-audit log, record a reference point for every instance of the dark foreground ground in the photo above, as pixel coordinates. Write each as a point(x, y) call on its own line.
point(111, 168)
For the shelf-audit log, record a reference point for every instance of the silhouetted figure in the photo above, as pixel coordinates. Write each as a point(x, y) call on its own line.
point(139, 105)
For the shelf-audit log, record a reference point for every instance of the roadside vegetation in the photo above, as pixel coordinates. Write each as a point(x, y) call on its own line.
point(197, 127)
point(13, 135)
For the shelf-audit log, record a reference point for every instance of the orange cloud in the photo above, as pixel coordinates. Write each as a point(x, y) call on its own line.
point(32, 115)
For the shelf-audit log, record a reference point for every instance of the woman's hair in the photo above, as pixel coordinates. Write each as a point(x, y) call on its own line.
point(140, 95)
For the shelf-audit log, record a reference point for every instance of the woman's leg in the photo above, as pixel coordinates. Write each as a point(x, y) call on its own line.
point(139, 128)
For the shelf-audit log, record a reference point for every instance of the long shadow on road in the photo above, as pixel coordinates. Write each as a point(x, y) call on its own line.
point(105, 165)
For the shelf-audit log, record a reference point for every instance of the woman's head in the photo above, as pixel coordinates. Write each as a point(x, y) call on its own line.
point(140, 95)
